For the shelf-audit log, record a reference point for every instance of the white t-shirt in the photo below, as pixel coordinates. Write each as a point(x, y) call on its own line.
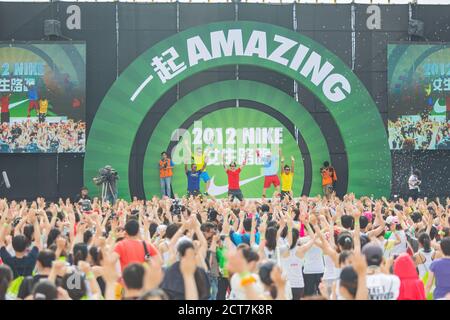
point(425, 267)
point(275, 255)
point(402, 246)
point(383, 286)
point(413, 182)
point(237, 292)
point(313, 261)
point(330, 269)
point(293, 265)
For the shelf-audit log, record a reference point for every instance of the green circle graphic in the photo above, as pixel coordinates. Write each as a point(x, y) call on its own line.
point(226, 90)
point(235, 118)
point(267, 46)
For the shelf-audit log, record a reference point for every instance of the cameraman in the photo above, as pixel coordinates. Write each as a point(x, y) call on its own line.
point(107, 178)
point(112, 192)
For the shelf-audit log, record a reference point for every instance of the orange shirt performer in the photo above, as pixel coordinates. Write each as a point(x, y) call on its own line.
point(165, 174)
point(329, 179)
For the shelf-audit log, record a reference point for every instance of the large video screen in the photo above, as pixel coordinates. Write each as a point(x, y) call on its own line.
point(42, 92)
point(419, 96)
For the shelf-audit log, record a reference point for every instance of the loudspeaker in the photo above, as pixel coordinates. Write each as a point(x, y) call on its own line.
point(52, 28)
point(416, 28)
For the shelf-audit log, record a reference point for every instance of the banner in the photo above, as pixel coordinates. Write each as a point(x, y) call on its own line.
point(266, 46)
point(42, 92)
point(419, 96)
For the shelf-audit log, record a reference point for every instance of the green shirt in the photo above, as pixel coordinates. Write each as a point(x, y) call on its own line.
point(221, 257)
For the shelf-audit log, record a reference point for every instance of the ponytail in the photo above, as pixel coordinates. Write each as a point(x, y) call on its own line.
point(425, 241)
point(273, 291)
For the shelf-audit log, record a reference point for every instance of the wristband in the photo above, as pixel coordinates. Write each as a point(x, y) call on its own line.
point(356, 223)
point(90, 276)
point(6, 225)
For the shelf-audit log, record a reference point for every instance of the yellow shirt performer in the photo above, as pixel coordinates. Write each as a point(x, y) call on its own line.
point(199, 159)
point(43, 107)
point(287, 178)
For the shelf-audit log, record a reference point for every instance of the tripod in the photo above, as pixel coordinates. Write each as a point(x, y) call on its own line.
point(107, 188)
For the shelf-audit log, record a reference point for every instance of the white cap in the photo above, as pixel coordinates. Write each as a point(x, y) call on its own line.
point(392, 219)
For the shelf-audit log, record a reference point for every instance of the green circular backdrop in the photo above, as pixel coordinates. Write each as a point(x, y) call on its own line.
point(233, 118)
point(226, 90)
point(139, 87)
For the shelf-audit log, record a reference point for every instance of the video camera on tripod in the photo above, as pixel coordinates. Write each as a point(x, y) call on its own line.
point(107, 177)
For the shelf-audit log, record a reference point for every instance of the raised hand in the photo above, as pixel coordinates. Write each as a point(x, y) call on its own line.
point(359, 263)
point(188, 264)
point(277, 277)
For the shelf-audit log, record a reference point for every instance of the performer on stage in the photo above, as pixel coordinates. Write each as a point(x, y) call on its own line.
point(233, 172)
point(33, 98)
point(414, 183)
point(43, 107)
point(270, 171)
point(287, 177)
point(193, 179)
point(165, 174)
point(329, 179)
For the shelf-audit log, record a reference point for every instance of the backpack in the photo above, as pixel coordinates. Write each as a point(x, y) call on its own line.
point(14, 286)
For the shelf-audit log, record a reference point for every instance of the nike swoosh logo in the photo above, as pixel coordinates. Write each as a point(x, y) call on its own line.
point(439, 108)
point(215, 190)
point(15, 104)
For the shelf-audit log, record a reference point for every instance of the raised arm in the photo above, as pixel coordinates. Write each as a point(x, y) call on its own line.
point(187, 267)
point(37, 231)
point(378, 217)
point(203, 242)
point(292, 164)
point(357, 232)
point(244, 163)
point(252, 231)
point(301, 250)
point(360, 266)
